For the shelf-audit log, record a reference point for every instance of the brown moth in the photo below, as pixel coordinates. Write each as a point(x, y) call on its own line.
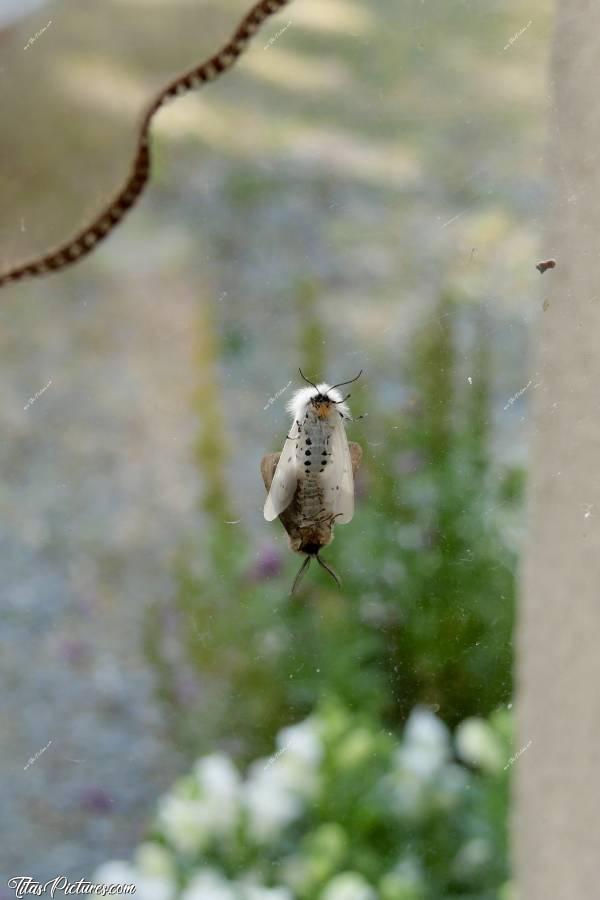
point(310, 484)
point(306, 536)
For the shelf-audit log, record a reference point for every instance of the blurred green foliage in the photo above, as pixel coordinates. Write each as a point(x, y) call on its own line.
point(442, 578)
point(426, 609)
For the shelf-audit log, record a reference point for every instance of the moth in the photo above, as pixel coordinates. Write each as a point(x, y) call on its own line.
point(310, 483)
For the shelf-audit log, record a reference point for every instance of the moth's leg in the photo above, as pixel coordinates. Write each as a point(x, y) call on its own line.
point(328, 517)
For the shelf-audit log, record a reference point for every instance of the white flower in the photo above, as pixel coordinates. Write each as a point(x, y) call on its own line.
point(295, 872)
point(301, 742)
point(411, 869)
point(477, 744)
point(407, 792)
point(116, 872)
point(156, 868)
point(220, 787)
point(424, 727)
point(186, 823)
point(473, 855)
point(276, 788)
point(155, 887)
point(418, 764)
point(405, 881)
point(426, 744)
point(216, 774)
point(348, 886)
point(295, 764)
point(269, 801)
point(292, 774)
point(450, 785)
point(208, 884)
point(154, 859)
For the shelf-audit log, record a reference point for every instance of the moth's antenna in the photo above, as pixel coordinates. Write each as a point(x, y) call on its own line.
point(300, 574)
point(328, 569)
point(342, 383)
point(307, 381)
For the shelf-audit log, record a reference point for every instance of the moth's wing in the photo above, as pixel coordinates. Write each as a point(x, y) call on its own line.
point(284, 480)
point(288, 517)
point(356, 454)
point(338, 479)
point(268, 464)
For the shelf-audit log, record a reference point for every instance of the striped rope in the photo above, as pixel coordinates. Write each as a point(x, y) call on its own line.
point(89, 237)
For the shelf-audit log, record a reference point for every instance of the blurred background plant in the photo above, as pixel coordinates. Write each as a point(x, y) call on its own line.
point(343, 810)
point(363, 192)
point(426, 609)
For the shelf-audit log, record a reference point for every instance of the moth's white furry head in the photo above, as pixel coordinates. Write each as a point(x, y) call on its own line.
point(298, 404)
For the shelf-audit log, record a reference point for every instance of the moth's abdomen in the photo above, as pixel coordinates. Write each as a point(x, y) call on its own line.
point(311, 500)
point(315, 538)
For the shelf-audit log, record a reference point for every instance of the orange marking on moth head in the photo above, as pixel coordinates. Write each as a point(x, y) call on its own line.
point(322, 408)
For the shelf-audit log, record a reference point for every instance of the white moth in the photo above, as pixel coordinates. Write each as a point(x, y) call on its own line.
point(311, 482)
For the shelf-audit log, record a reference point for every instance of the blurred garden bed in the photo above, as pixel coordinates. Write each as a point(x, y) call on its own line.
point(370, 176)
